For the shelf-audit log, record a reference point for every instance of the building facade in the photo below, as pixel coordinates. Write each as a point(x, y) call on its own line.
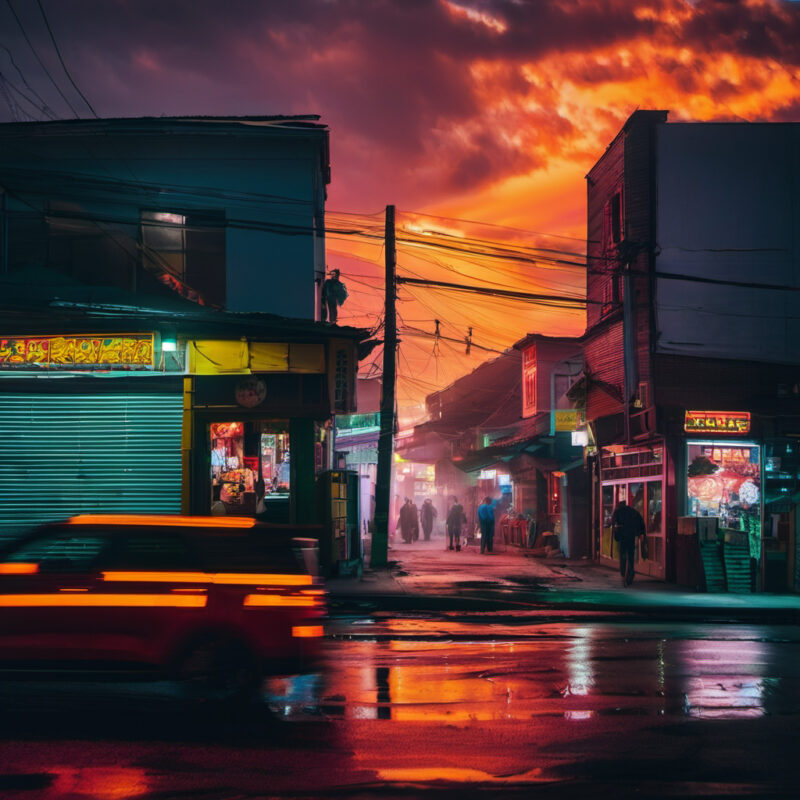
point(159, 286)
point(691, 348)
point(228, 212)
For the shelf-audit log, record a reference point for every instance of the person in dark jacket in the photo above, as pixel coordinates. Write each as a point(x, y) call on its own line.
point(409, 522)
point(486, 521)
point(628, 525)
point(427, 514)
point(455, 519)
point(334, 294)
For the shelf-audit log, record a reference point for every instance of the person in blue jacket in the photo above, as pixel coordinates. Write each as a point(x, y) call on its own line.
point(486, 522)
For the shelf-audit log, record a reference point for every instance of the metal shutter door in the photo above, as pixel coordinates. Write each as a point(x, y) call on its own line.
point(86, 453)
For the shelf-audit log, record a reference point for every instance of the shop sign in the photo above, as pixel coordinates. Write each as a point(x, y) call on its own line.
point(125, 352)
point(566, 419)
point(736, 422)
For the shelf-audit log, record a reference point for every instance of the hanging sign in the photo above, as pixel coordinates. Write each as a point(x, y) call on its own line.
point(566, 419)
point(125, 352)
point(736, 422)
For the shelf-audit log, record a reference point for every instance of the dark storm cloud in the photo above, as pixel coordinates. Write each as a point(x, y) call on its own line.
point(412, 89)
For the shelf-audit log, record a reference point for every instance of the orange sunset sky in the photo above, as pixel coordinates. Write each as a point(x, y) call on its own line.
point(484, 110)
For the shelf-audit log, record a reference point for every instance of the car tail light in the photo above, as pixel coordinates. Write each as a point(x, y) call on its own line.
point(307, 631)
point(18, 568)
point(262, 600)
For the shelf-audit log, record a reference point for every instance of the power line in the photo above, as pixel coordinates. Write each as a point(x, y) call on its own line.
point(411, 331)
point(61, 60)
point(548, 299)
point(41, 63)
point(45, 109)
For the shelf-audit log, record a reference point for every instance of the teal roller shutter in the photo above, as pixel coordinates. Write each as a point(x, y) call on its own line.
point(75, 454)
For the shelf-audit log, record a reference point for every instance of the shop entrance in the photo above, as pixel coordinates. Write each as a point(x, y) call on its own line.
point(250, 468)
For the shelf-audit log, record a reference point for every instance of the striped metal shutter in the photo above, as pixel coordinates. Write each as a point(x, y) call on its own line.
point(86, 453)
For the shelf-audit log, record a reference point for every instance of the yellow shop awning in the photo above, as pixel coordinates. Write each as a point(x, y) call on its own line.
point(225, 357)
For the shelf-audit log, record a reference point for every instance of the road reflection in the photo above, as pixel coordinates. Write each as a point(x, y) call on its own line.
point(410, 673)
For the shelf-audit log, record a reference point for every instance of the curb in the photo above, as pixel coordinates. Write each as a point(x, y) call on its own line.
point(542, 610)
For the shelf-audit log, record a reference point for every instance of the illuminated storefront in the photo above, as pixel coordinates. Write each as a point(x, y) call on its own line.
point(155, 421)
point(724, 481)
point(250, 461)
point(637, 476)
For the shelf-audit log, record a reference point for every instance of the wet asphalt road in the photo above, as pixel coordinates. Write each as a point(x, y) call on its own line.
point(478, 706)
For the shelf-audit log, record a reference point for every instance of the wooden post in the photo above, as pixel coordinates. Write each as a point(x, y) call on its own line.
point(383, 482)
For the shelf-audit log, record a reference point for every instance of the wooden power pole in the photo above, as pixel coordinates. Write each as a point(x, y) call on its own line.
point(383, 482)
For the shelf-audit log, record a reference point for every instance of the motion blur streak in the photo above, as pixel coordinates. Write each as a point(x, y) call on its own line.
point(254, 600)
point(18, 568)
point(102, 600)
point(237, 578)
point(161, 519)
point(307, 631)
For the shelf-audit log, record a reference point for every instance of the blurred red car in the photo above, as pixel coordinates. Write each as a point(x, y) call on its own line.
point(216, 603)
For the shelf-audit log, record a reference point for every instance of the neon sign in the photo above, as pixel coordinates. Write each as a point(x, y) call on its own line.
point(736, 422)
point(128, 352)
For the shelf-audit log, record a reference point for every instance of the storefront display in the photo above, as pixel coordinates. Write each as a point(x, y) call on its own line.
point(249, 460)
point(724, 481)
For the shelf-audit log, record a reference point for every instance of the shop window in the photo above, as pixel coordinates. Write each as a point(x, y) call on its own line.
point(188, 250)
point(636, 494)
point(249, 460)
point(655, 541)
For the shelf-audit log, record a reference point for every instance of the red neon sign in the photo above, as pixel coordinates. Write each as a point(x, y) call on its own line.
point(735, 422)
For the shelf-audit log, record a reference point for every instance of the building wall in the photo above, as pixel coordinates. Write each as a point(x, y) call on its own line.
point(729, 210)
point(268, 183)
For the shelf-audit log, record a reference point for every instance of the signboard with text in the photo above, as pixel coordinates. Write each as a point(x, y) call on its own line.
point(567, 419)
point(121, 352)
point(731, 422)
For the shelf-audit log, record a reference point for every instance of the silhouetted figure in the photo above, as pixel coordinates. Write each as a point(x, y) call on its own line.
point(455, 519)
point(409, 522)
point(627, 524)
point(486, 522)
point(334, 294)
point(427, 515)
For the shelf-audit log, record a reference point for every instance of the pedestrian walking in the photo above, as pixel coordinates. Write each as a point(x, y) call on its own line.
point(628, 525)
point(486, 522)
point(455, 519)
point(427, 515)
point(409, 522)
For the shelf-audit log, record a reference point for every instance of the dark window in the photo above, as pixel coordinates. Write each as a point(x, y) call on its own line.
point(188, 250)
point(91, 250)
point(616, 218)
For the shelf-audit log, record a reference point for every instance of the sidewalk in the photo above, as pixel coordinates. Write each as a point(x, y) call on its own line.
point(424, 576)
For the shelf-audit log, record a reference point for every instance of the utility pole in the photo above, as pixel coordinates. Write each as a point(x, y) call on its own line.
point(383, 482)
